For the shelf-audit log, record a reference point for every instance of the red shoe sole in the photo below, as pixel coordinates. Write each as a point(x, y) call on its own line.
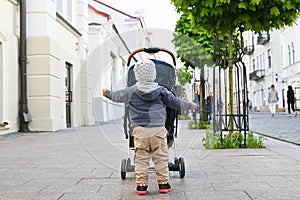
point(164, 190)
point(141, 192)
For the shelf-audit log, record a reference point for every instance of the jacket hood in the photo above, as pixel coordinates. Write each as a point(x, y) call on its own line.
point(150, 96)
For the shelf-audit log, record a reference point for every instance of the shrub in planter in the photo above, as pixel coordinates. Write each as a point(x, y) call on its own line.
point(231, 140)
point(198, 124)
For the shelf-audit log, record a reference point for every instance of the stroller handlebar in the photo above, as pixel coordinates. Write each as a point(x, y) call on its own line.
point(150, 50)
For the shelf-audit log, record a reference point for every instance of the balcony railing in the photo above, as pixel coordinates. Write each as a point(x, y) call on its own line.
point(257, 75)
point(248, 50)
point(263, 38)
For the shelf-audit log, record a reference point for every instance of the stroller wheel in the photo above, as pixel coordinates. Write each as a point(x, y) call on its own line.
point(181, 167)
point(123, 169)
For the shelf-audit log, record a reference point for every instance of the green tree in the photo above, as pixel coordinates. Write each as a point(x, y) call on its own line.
point(195, 49)
point(223, 17)
point(183, 76)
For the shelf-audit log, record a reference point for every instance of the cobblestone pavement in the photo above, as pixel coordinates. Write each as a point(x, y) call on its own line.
point(84, 163)
point(280, 126)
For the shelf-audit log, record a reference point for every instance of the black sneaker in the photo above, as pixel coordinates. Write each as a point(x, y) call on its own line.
point(164, 187)
point(141, 189)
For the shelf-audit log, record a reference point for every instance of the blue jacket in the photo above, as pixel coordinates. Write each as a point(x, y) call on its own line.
point(148, 109)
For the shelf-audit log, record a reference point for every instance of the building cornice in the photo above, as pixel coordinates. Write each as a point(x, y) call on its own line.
point(15, 2)
point(99, 12)
point(66, 24)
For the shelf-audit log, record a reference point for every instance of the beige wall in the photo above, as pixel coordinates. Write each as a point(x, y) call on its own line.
point(45, 83)
point(50, 48)
point(46, 75)
point(9, 66)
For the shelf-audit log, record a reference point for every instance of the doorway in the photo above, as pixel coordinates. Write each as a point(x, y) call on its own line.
point(68, 94)
point(297, 98)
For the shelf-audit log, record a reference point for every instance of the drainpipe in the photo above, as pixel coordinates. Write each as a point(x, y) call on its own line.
point(24, 115)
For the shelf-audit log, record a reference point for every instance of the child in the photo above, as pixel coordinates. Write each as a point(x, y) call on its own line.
point(147, 103)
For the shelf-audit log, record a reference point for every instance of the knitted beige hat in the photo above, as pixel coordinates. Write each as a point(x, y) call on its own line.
point(144, 70)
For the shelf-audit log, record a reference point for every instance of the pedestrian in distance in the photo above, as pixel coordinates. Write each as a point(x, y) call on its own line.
point(291, 101)
point(272, 100)
point(209, 102)
point(147, 103)
point(219, 105)
point(249, 105)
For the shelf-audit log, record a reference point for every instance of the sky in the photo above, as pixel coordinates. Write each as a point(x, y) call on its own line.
point(160, 18)
point(159, 14)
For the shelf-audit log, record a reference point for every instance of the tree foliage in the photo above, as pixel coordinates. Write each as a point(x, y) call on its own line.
point(183, 76)
point(221, 15)
point(195, 49)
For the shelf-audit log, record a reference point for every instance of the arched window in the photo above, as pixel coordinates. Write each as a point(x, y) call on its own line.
point(293, 53)
point(65, 9)
point(269, 58)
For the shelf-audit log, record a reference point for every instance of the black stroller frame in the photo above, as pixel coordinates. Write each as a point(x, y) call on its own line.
point(165, 76)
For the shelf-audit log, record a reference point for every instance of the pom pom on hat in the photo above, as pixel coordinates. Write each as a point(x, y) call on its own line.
point(144, 70)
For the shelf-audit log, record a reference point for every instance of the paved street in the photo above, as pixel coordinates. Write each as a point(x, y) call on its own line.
point(84, 163)
point(280, 126)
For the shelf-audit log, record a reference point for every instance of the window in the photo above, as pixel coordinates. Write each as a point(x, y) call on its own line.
point(113, 71)
point(69, 8)
point(281, 55)
point(263, 61)
point(68, 94)
point(253, 64)
point(260, 61)
point(245, 43)
point(65, 8)
point(269, 58)
point(293, 53)
point(59, 6)
point(289, 52)
point(257, 62)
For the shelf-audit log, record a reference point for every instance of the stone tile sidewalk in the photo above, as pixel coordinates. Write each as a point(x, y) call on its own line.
point(84, 163)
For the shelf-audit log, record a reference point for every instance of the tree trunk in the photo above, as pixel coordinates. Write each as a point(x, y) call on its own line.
point(230, 79)
point(202, 94)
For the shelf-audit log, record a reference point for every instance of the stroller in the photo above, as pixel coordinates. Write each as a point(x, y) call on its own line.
point(165, 76)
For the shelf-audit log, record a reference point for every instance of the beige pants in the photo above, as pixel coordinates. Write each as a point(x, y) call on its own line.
point(151, 141)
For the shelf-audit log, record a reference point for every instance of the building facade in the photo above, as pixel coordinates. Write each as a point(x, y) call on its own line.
point(9, 66)
point(57, 40)
point(72, 53)
point(271, 58)
point(113, 34)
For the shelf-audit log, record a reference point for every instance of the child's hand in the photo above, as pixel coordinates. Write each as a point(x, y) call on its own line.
point(104, 91)
point(194, 106)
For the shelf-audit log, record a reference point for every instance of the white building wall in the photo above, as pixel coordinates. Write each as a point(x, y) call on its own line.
point(41, 18)
point(291, 66)
point(53, 42)
point(106, 61)
point(9, 96)
point(282, 73)
point(52, 45)
point(108, 57)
